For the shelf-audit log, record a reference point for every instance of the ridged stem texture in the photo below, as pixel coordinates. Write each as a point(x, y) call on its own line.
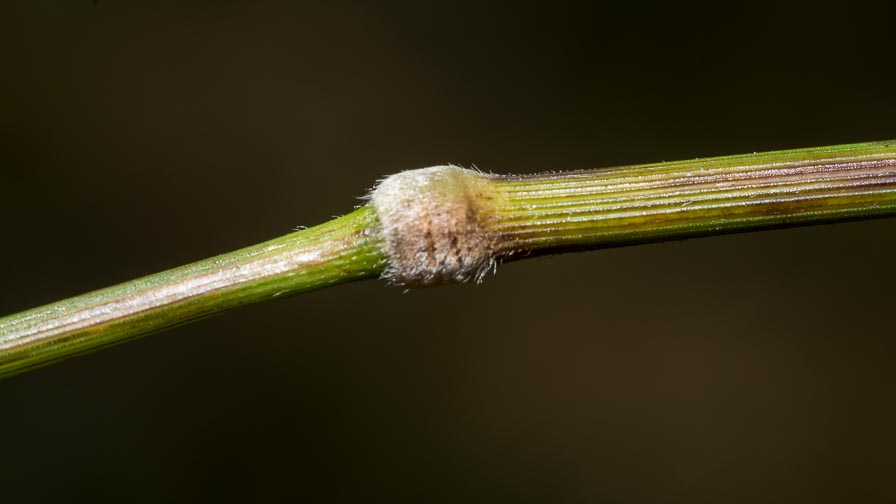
point(341, 250)
point(446, 224)
point(548, 213)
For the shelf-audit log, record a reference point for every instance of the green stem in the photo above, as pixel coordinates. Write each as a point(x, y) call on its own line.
point(444, 224)
point(548, 213)
point(339, 251)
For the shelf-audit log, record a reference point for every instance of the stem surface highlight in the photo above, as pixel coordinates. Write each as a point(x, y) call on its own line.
point(446, 224)
point(339, 251)
point(548, 213)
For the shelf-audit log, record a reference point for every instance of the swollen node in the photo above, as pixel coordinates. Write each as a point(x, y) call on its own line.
point(433, 224)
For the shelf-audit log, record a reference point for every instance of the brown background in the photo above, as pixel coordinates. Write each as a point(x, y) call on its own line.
point(745, 368)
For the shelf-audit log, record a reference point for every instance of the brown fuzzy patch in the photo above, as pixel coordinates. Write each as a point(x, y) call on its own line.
point(432, 227)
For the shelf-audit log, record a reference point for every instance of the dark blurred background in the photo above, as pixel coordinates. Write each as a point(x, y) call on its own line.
point(745, 368)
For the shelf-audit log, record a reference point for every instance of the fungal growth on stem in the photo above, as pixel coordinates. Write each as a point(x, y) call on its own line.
point(446, 224)
point(434, 225)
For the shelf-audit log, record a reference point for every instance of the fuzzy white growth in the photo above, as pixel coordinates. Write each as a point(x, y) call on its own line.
point(433, 227)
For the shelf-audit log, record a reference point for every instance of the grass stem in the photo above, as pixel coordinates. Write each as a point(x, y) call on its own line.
point(339, 251)
point(630, 205)
point(446, 224)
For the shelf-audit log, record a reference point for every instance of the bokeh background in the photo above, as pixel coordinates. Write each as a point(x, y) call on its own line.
point(745, 368)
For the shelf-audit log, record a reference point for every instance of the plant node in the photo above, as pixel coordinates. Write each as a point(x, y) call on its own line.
point(433, 225)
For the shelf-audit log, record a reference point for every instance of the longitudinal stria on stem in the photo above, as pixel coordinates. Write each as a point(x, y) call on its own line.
point(446, 224)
